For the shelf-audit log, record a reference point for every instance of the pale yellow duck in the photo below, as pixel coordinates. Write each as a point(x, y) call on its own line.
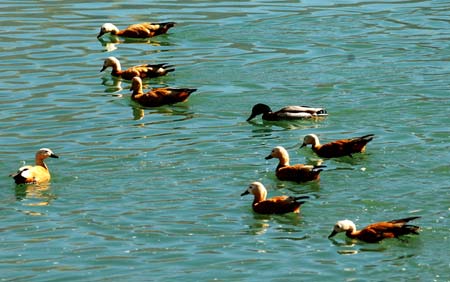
point(143, 71)
point(35, 174)
point(141, 30)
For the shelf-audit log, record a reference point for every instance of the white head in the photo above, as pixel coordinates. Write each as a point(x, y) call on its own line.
point(136, 84)
point(107, 27)
point(342, 226)
point(256, 188)
point(44, 153)
point(310, 139)
point(277, 152)
point(111, 62)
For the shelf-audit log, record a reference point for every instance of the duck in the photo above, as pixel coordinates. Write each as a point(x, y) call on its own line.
point(298, 173)
point(286, 113)
point(140, 30)
point(158, 96)
point(35, 174)
point(275, 205)
point(143, 71)
point(338, 148)
point(376, 232)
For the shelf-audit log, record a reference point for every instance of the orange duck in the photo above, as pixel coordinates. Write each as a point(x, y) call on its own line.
point(35, 174)
point(143, 71)
point(275, 205)
point(338, 148)
point(141, 30)
point(158, 96)
point(377, 231)
point(298, 172)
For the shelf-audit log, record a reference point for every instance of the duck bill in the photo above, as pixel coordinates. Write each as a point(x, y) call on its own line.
point(245, 193)
point(268, 157)
point(100, 34)
point(103, 68)
point(303, 145)
point(332, 234)
point(54, 156)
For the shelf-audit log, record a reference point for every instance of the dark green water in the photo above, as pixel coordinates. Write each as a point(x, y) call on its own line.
point(153, 194)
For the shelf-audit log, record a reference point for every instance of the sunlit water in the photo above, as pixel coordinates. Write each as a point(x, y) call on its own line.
point(153, 194)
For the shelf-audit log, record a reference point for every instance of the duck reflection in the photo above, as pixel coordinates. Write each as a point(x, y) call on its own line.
point(113, 42)
point(181, 112)
point(34, 194)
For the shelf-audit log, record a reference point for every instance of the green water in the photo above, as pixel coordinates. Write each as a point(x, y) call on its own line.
point(153, 194)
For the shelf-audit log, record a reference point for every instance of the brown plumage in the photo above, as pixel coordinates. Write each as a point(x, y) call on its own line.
point(275, 205)
point(338, 148)
point(143, 71)
point(35, 174)
point(376, 232)
point(158, 96)
point(141, 30)
point(298, 172)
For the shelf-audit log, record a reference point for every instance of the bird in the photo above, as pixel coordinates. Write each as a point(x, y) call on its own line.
point(158, 96)
point(338, 148)
point(141, 30)
point(298, 172)
point(275, 205)
point(35, 174)
point(286, 113)
point(376, 232)
point(143, 71)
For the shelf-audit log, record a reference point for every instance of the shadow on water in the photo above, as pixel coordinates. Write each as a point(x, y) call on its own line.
point(34, 194)
point(114, 42)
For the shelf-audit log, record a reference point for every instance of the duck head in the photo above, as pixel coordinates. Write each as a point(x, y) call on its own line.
point(310, 139)
point(106, 28)
point(111, 62)
point(45, 153)
point(256, 188)
point(342, 226)
point(136, 84)
point(276, 152)
point(259, 109)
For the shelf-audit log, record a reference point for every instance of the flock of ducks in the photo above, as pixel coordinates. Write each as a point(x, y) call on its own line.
point(39, 173)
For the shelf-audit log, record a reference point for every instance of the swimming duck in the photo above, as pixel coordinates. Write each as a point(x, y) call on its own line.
point(338, 148)
point(376, 232)
point(35, 174)
point(275, 205)
point(141, 30)
point(286, 113)
point(298, 172)
point(143, 71)
point(158, 96)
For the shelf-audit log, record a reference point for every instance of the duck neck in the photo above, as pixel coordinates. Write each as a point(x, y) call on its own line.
point(259, 197)
point(351, 233)
point(283, 159)
point(40, 162)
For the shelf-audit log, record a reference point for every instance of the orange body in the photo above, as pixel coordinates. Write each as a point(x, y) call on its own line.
point(142, 71)
point(35, 174)
point(158, 96)
point(141, 30)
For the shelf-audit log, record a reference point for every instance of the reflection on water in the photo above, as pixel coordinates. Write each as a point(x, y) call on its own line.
point(34, 194)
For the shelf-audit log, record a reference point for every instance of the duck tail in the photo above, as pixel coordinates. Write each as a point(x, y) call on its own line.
point(410, 229)
point(168, 25)
point(404, 220)
point(367, 137)
point(300, 198)
point(318, 168)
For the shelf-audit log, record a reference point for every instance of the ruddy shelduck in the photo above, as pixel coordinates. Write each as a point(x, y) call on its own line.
point(158, 96)
point(298, 172)
point(338, 148)
point(377, 231)
point(141, 30)
point(143, 71)
point(286, 113)
point(35, 174)
point(275, 205)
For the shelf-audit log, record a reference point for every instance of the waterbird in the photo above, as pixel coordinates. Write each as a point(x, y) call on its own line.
point(376, 232)
point(35, 174)
point(297, 172)
point(274, 205)
point(286, 113)
point(143, 71)
point(338, 148)
point(141, 30)
point(158, 96)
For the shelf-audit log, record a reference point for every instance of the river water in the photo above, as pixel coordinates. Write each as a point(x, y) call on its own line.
point(154, 194)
